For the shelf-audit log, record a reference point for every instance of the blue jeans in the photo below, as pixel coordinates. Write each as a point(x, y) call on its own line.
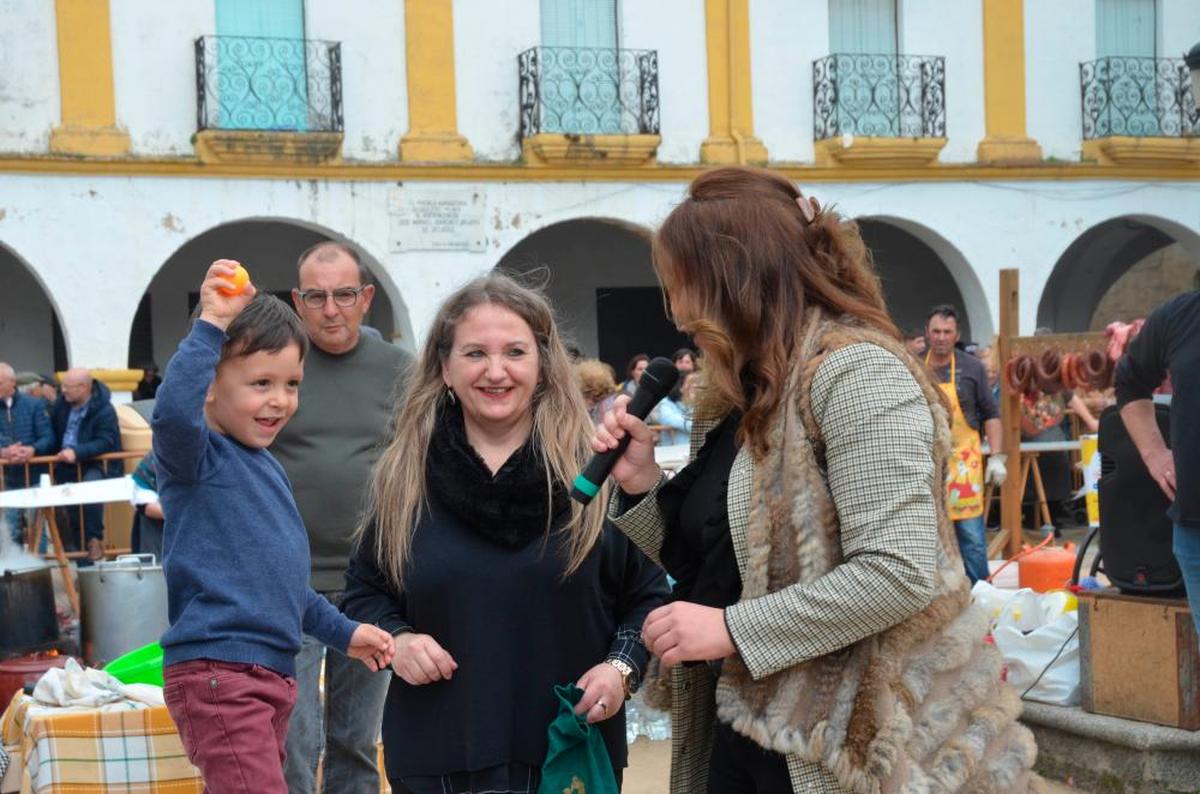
point(346, 728)
point(972, 544)
point(1186, 545)
point(14, 519)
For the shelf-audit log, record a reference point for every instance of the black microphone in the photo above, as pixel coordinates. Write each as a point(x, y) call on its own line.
point(656, 382)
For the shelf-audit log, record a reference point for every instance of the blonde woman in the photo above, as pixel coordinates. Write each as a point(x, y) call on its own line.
point(598, 385)
point(496, 585)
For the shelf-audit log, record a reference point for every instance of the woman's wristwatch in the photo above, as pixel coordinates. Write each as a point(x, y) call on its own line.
point(626, 671)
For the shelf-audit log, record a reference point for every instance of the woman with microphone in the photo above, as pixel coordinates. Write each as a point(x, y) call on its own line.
point(496, 585)
point(821, 638)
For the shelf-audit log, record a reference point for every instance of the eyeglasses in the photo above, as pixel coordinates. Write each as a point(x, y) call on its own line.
point(343, 296)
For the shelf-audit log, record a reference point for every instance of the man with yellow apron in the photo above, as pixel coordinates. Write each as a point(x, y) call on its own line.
point(964, 380)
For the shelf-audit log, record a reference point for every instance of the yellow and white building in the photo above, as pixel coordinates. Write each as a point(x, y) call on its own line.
point(140, 139)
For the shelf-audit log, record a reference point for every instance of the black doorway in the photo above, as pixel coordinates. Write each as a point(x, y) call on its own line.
point(632, 320)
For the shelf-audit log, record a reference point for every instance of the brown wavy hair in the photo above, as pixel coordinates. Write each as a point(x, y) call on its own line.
point(742, 268)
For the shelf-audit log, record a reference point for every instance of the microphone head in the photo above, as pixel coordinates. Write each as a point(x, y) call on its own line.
point(659, 377)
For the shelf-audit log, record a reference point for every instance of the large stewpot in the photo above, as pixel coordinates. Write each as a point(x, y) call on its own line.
point(124, 604)
point(28, 621)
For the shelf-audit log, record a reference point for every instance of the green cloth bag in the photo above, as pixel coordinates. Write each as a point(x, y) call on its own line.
point(577, 761)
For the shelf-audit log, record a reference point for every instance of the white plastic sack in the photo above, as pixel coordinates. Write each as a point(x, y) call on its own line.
point(1023, 609)
point(1037, 637)
point(1047, 655)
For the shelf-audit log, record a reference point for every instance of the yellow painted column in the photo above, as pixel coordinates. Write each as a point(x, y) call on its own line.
point(85, 80)
point(432, 116)
point(730, 105)
point(1004, 85)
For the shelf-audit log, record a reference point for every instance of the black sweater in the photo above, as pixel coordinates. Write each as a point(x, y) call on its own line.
point(1169, 342)
point(516, 629)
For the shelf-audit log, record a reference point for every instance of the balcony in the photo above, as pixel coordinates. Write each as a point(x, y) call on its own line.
point(879, 110)
point(584, 105)
point(268, 99)
point(1139, 110)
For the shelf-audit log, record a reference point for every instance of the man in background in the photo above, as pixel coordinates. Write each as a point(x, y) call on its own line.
point(1169, 343)
point(328, 450)
point(85, 426)
point(964, 381)
point(24, 433)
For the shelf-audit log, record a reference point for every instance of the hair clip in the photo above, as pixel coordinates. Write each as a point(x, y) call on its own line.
point(808, 208)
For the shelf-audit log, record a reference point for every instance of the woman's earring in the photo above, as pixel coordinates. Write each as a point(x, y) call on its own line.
point(450, 394)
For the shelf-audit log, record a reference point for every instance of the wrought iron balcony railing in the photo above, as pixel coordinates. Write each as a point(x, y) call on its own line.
point(588, 91)
point(888, 96)
point(256, 83)
point(1138, 97)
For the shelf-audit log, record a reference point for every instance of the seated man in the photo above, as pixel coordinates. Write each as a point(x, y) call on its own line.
point(24, 432)
point(85, 425)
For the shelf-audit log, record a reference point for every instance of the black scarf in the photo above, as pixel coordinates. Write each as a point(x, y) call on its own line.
point(508, 508)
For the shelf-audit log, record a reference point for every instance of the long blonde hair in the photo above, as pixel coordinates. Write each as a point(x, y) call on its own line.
point(561, 429)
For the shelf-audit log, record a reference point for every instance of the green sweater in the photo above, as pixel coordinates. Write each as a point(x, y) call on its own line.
point(333, 441)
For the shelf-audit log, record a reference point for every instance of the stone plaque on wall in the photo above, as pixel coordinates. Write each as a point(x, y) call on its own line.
point(436, 219)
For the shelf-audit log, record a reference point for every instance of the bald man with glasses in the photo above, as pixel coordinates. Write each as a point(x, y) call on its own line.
point(328, 450)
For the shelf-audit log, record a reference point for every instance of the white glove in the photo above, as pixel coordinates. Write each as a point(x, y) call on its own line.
point(997, 472)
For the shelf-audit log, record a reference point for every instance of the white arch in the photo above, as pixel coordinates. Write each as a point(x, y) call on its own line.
point(401, 314)
point(965, 278)
point(1064, 275)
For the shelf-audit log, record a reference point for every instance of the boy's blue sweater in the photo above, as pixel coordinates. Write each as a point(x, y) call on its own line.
point(235, 551)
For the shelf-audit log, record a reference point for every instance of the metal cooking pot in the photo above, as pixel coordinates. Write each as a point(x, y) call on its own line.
point(124, 603)
point(28, 621)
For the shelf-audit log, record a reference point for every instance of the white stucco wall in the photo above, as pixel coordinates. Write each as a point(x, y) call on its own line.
point(1058, 37)
point(487, 39)
point(123, 229)
point(1178, 27)
point(29, 98)
point(374, 79)
point(154, 71)
point(785, 39)
point(677, 31)
point(955, 31)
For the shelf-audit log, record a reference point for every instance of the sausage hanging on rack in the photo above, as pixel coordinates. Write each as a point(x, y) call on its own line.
point(1018, 373)
point(1047, 372)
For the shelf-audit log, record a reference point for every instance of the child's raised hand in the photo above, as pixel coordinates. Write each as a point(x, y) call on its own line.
point(217, 306)
point(373, 646)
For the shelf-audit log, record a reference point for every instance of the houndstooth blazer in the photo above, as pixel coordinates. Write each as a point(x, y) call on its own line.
point(878, 429)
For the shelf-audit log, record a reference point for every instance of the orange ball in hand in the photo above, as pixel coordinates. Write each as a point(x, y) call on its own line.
point(237, 283)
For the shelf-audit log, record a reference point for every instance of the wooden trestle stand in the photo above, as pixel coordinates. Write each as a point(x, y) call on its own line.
point(1009, 343)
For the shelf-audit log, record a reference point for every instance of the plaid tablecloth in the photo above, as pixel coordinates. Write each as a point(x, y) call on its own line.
point(128, 748)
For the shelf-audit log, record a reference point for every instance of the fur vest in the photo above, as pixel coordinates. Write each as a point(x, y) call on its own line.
point(919, 707)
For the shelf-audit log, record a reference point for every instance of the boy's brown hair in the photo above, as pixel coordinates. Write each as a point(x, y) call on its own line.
point(266, 324)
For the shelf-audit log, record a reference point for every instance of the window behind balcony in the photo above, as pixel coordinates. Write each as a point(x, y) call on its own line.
point(579, 23)
point(1128, 89)
point(1125, 28)
point(262, 76)
point(865, 27)
point(586, 84)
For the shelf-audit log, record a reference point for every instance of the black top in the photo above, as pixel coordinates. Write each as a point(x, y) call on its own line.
point(497, 602)
point(974, 393)
point(1169, 342)
point(697, 546)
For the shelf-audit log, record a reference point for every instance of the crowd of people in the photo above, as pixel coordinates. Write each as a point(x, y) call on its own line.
point(797, 595)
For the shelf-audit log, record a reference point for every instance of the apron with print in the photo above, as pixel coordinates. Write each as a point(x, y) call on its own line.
point(964, 474)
